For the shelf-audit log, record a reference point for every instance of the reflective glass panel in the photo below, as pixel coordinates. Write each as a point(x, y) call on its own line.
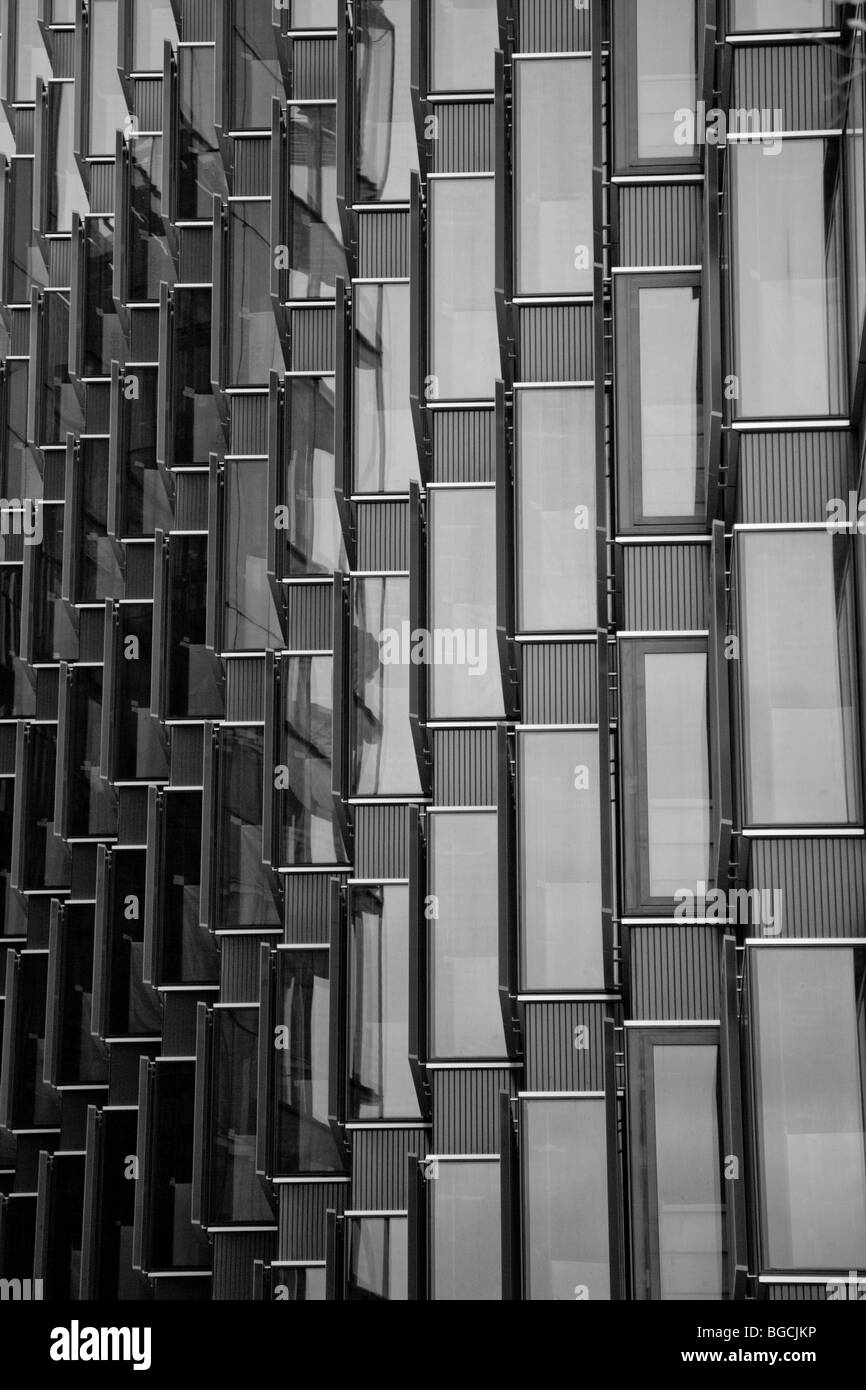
point(313, 538)
point(313, 14)
point(304, 1284)
point(152, 24)
point(464, 37)
point(463, 655)
point(237, 1195)
point(188, 950)
point(20, 472)
point(386, 456)
point(250, 621)
point(191, 675)
point(384, 762)
point(149, 260)
point(133, 1008)
point(65, 190)
point(196, 417)
point(106, 102)
point(464, 338)
point(255, 70)
point(58, 405)
point(310, 833)
point(25, 267)
point(386, 149)
point(31, 59)
point(784, 14)
point(175, 1242)
point(465, 1232)
point(380, 1082)
point(567, 1250)
point(666, 75)
point(200, 170)
point(316, 255)
point(97, 570)
point(91, 799)
point(378, 1258)
point(45, 856)
point(247, 897)
point(253, 344)
point(677, 769)
point(80, 1057)
point(304, 1141)
point(103, 336)
point(141, 747)
point(144, 503)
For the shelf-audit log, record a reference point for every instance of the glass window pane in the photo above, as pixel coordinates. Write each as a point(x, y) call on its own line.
point(384, 762)
point(103, 336)
point(31, 59)
point(91, 799)
point(255, 75)
point(307, 1284)
point(236, 1193)
point(464, 660)
point(82, 1059)
point(677, 770)
point(152, 23)
point(386, 456)
point(141, 746)
point(783, 14)
point(463, 949)
point(313, 537)
point(465, 1233)
point(58, 406)
point(106, 102)
point(316, 256)
point(797, 666)
point(197, 429)
point(148, 260)
point(20, 474)
point(313, 14)
point(133, 1008)
point(387, 150)
point(553, 177)
point(98, 573)
point(247, 896)
point(193, 692)
point(253, 344)
point(380, 1082)
point(250, 621)
point(144, 502)
point(304, 1141)
point(175, 1243)
point(65, 190)
point(188, 951)
point(666, 75)
point(565, 1200)
point(378, 1258)
point(789, 348)
point(555, 503)
point(464, 338)
point(54, 638)
point(560, 861)
point(309, 830)
point(808, 1005)
point(464, 37)
point(200, 168)
point(855, 176)
point(25, 267)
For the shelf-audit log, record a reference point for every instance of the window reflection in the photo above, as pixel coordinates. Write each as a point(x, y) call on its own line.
point(313, 14)
point(465, 1235)
point(667, 75)
point(314, 538)
point(133, 1008)
point(65, 190)
point(53, 636)
point(378, 1258)
point(20, 471)
point(565, 1200)
point(140, 749)
point(152, 24)
point(236, 1194)
point(45, 856)
point(196, 418)
point(175, 1243)
point(310, 833)
point(144, 504)
point(253, 344)
point(464, 663)
point(97, 570)
point(464, 339)
point(193, 692)
point(783, 14)
point(103, 337)
point(299, 1284)
point(58, 406)
point(25, 267)
point(305, 1143)
point(380, 1082)
point(250, 621)
point(316, 256)
point(188, 951)
point(386, 457)
point(30, 58)
point(247, 897)
point(148, 260)
point(855, 178)
point(384, 761)
point(105, 99)
point(255, 70)
point(464, 37)
point(200, 170)
point(386, 150)
point(81, 1059)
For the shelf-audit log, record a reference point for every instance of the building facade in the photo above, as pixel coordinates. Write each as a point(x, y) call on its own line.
point(432, 662)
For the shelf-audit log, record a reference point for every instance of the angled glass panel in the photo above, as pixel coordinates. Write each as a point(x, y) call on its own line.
point(196, 417)
point(237, 1195)
point(145, 507)
point(299, 1284)
point(314, 535)
point(200, 169)
point(765, 15)
point(378, 1258)
point(380, 1082)
point(247, 897)
point(255, 77)
point(253, 344)
point(20, 474)
point(565, 1200)
point(386, 456)
point(152, 24)
point(175, 1243)
point(34, 1103)
point(65, 190)
point(313, 14)
point(103, 337)
point(98, 569)
point(386, 150)
point(30, 58)
point(10, 647)
point(58, 406)
point(7, 811)
point(25, 268)
point(188, 950)
point(45, 859)
point(141, 752)
point(384, 762)
point(462, 645)
point(148, 257)
point(465, 1233)
point(54, 638)
point(92, 799)
point(106, 103)
point(464, 37)
point(667, 75)
point(81, 1059)
point(464, 339)
point(855, 179)
point(133, 1008)
point(304, 1141)
point(316, 255)
point(192, 687)
point(309, 829)
point(250, 621)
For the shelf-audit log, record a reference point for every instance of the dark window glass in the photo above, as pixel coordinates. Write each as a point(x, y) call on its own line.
point(316, 255)
point(253, 344)
point(464, 36)
point(175, 1242)
point(58, 406)
point(553, 178)
point(25, 266)
point(310, 833)
point(103, 336)
point(255, 70)
point(144, 507)
point(378, 1258)
point(799, 684)
point(20, 472)
point(45, 856)
point(384, 762)
point(465, 1233)
point(565, 1199)
point(304, 1141)
point(92, 800)
point(464, 339)
point(789, 347)
point(463, 943)
point(314, 537)
point(149, 260)
point(236, 1194)
point(200, 169)
point(192, 689)
point(386, 148)
point(65, 190)
point(30, 58)
point(656, 80)
point(141, 751)
point(464, 661)
point(659, 397)
point(33, 1102)
point(80, 1059)
point(98, 573)
point(197, 428)
point(304, 1284)
point(250, 620)
point(380, 1082)
point(784, 14)
point(133, 1008)
point(189, 950)
point(560, 861)
point(106, 102)
point(808, 1052)
point(152, 23)
point(247, 896)
point(10, 648)
point(54, 637)
point(555, 504)
point(386, 457)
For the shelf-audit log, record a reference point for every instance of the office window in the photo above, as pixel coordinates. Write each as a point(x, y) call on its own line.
point(464, 661)
point(148, 259)
point(193, 692)
point(250, 621)
point(45, 856)
point(807, 1023)
point(20, 473)
point(174, 1242)
point(309, 831)
point(64, 190)
point(560, 861)
point(678, 1228)
point(380, 1082)
point(565, 1199)
point(764, 15)
point(103, 337)
point(152, 24)
point(141, 749)
point(247, 894)
point(553, 177)
point(53, 638)
point(855, 179)
point(556, 510)
point(464, 338)
point(33, 1103)
point(464, 36)
point(200, 170)
point(58, 406)
point(801, 746)
point(383, 757)
point(29, 58)
point(386, 151)
point(196, 417)
point(143, 505)
point(24, 265)
point(787, 255)
point(187, 951)
point(378, 1258)
point(463, 941)
point(655, 43)
point(304, 1141)
point(386, 456)
point(665, 768)
point(299, 1283)
point(91, 799)
point(132, 1007)
point(316, 256)
point(80, 1058)
point(465, 1234)
point(97, 573)
point(314, 538)
point(253, 344)
point(106, 105)
point(237, 1197)
point(659, 402)
point(10, 647)
point(254, 70)
point(313, 14)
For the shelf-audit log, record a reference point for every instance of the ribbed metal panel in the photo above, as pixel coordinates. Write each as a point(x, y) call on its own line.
point(139, 571)
point(197, 21)
point(674, 972)
point(245, 688)
point(7, 748)
point(191, 501)
point(63, 52)
point(381, 841)
point(179, 1025)
point(383, 244)
point(556, 1057)
point(312, 338)
point(186, 755)
point(303, 1208)
point(239, 968)
point(464, 446)
point(91, 629)
point(102, 188)
point(252, 172)
point(97, 407)
point(249, 426)
point(792, 476)
point(559, 682)
point(308, 898)
point(24, 126)
point(144, 335)
point(553, 26)
point(60, 263)
point(464, 138)
point(821, 885)
point(314, 69)
point(53, 478)
point(19, 345)
point(379, 1166)
point(132, 815)
point(555, 342)
point(660, 224)
point(233, 1256)
point(664, 587)
point(383, 535)
point(47, 680)
point(800, 80)
point(466, 1108)
point(82, 881)
point(309, 617)
point(148, 103)
point(196, 255)
point(464, 767)
point(799, 1293)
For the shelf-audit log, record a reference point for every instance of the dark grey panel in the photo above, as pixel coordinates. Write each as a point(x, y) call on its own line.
point(60, 263)
point(464, 138)
point(97, 407)
point(308, 617)
point(131, 815)
point(303, 1225)
point(801, 80)
point(249, 425)
point(148, 103)
point(187, 755)
point(821, 884)
point(312, 338)
point(143, 335)
point(20, 341)
point(464, 446)
point(196, 254)
point(245, 688)
point(379, 1166)
point(252, 171)
point(197, 21)
point(382, 841)
point(464, 767)
point(139, 571)
point(553, 26)
point(63, 53)
point(554, 342)
point(190, 501)
point(314, 69)
point(559, 682)
point(383, 535)
point(673, 972)
point(308, 898)
point(102, 188)
point(24, 125)
point(792, 476)
point(664, 587)
point(560, 1056)
point(239, 968)
point(660, 224)
point(466, 1108)
point(383, 244)
point(233, 1256)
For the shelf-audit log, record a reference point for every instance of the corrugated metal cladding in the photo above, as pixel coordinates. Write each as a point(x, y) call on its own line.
point(803, 81)
point(660, 224)
point(559, 682)
point(463, 143)
point(144, 335)
point(464, 767)
point(382, 841)
point(63, 52)
point(178, 1026)
point(132, 815)
point(303, 1209)
point(383, 535)
point(187, 759)
point(190, 500)
point(83, 878)
point(314, 69)
point(664, 587)
point(554, 342)
point(139, 571)
point(90, 634)
point(53, 481)
point(197, 21)
point(308, 898)
point(147, 103)
point(252, 167)
point(564, 1042)
point(379, 1166)
point(383, 244)
point(821, 884)
point(466, 1108)
point(245, 688)
point(796, 1293)
point(673, 972)
point(7, 748)
point(25, 120)
point(548, 28)
point(312, 340)
point(233, 1256)
point(309, 610)
point(20, 340)
point(102, 188)
point(463, 446)
point(47, 682)
point(791, 475)
point(59, 264)
point(239, 967)
point(97, 407)
point(249, 424)
point(196, 255)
